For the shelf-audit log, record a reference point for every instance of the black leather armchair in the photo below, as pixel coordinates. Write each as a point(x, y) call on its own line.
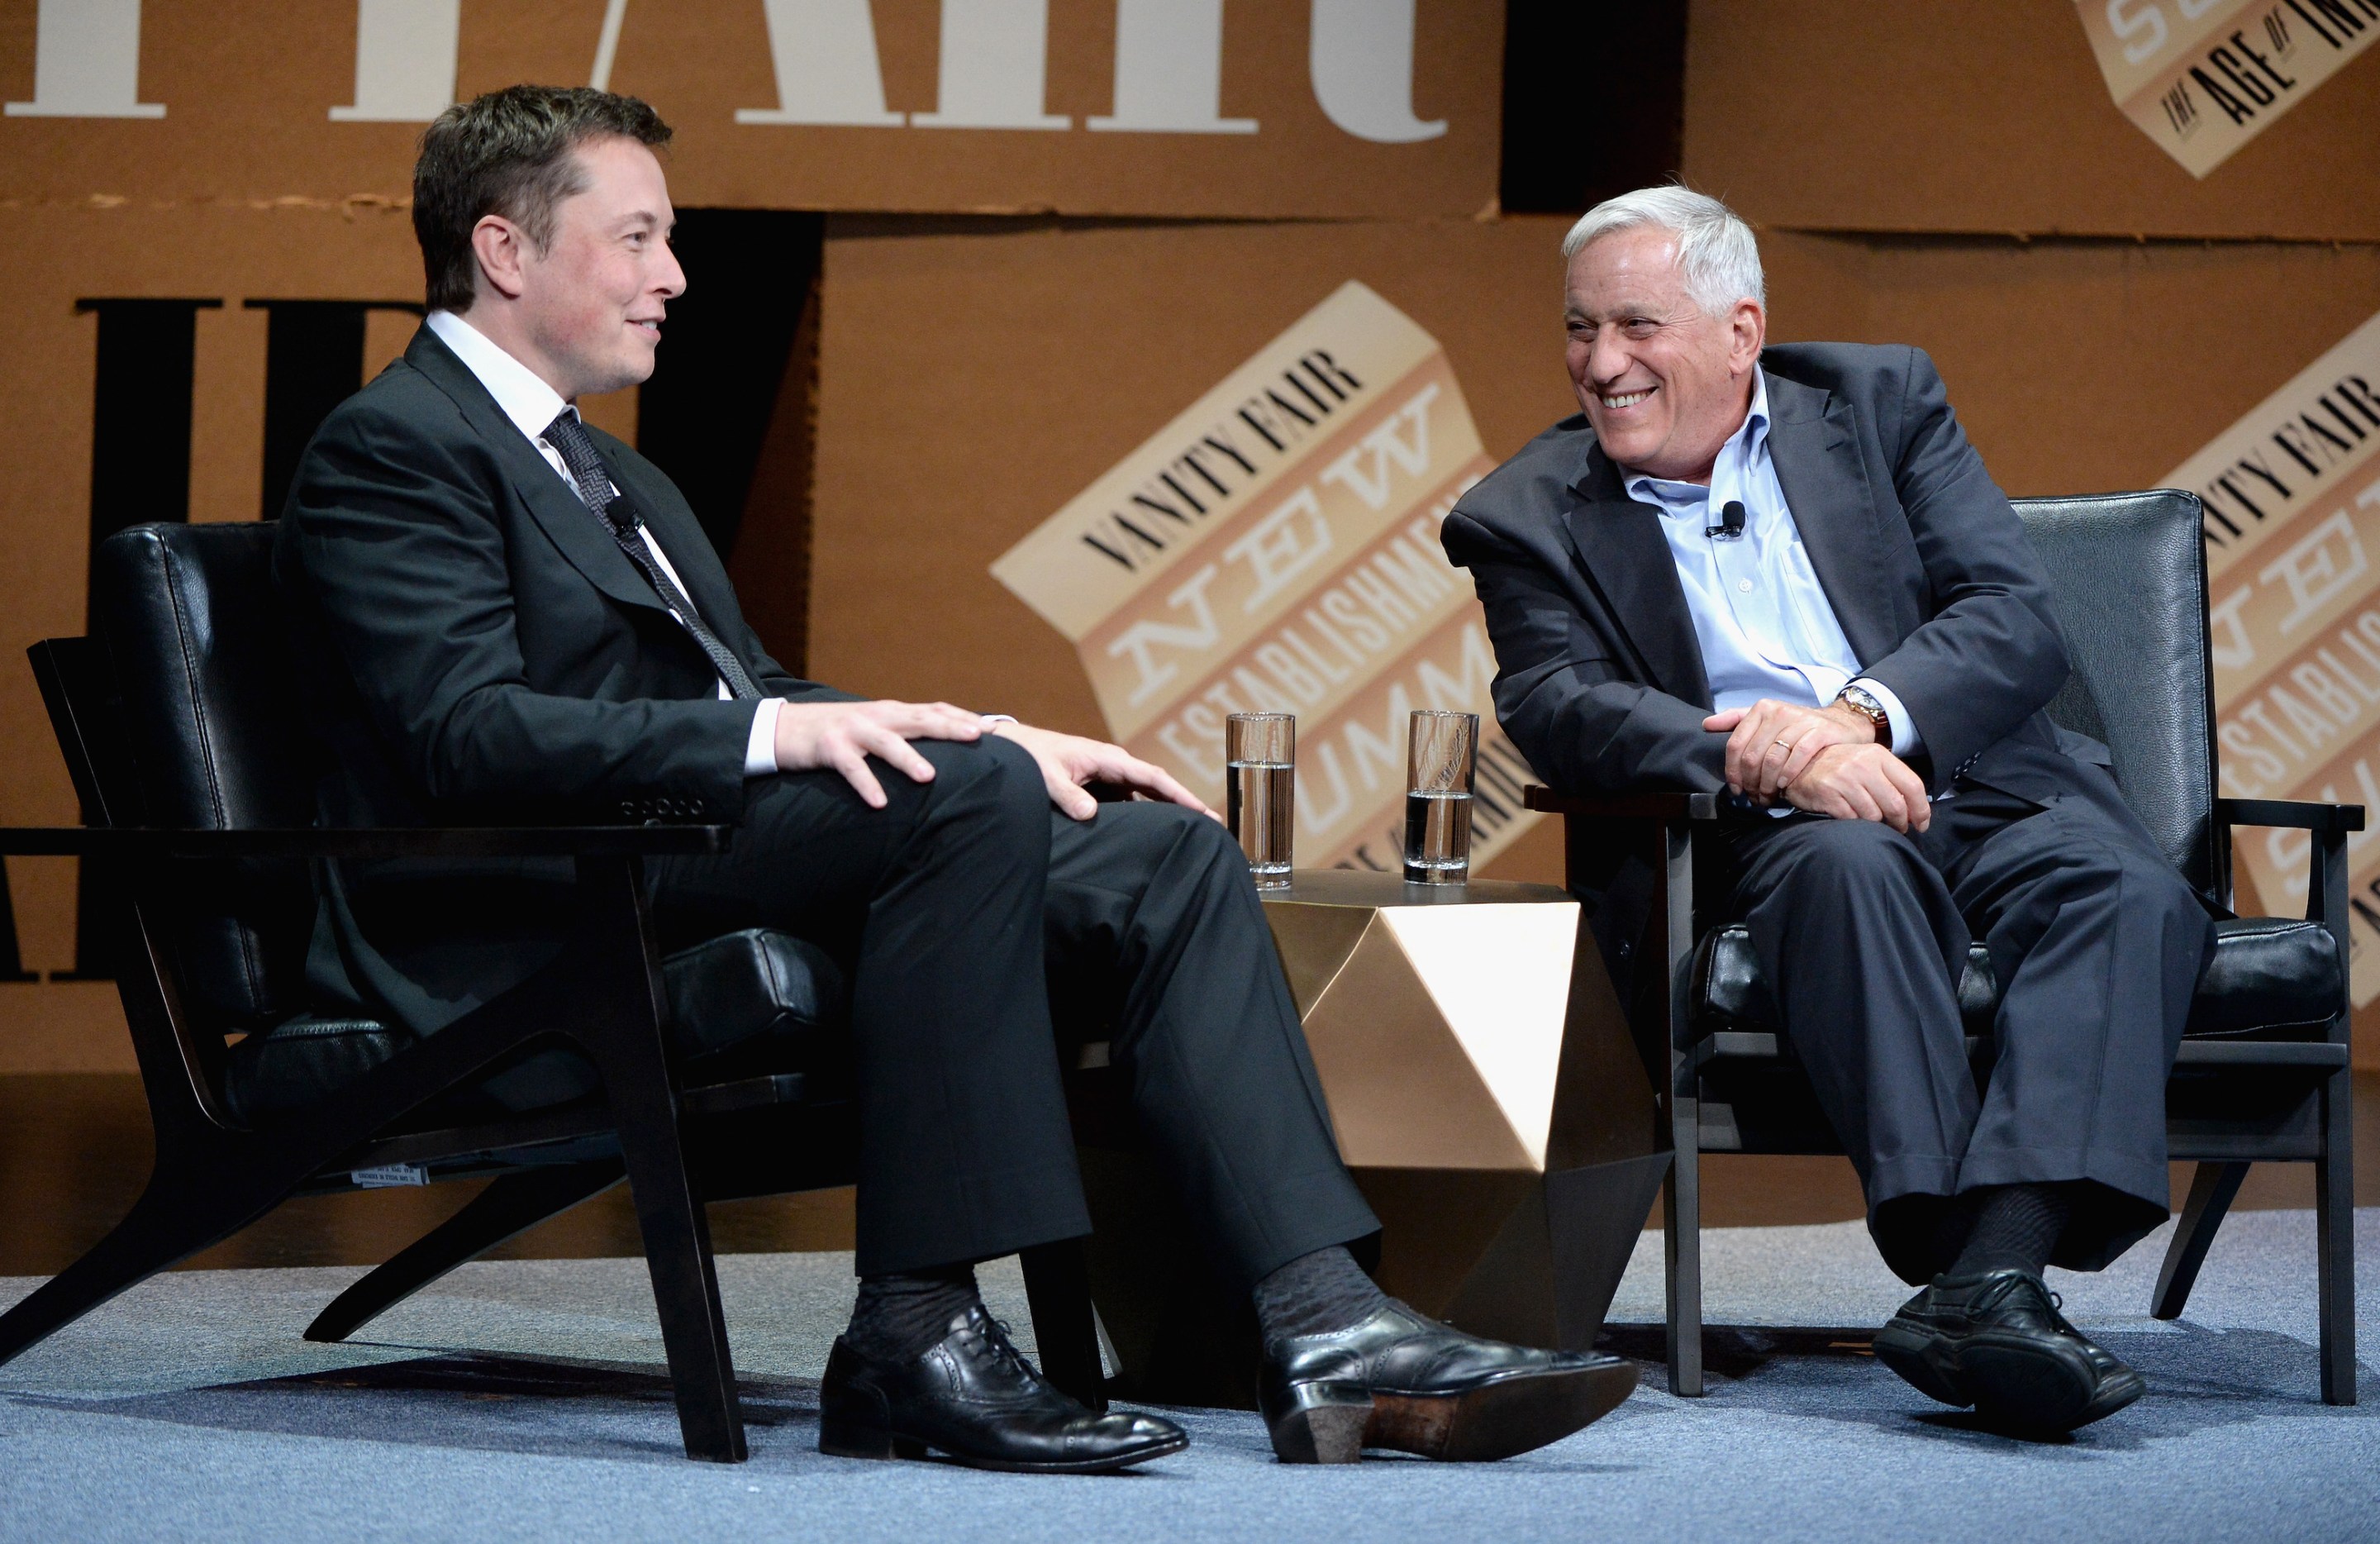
point(2263, 1069)
point(722, 1067)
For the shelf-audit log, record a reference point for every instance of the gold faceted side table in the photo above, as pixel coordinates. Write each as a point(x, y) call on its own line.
point(1486, 1093)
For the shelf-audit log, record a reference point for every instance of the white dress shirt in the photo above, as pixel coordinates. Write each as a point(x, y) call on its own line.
point(534, 405)
point(1765, 623)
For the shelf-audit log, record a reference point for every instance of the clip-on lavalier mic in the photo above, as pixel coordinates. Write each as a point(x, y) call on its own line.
point(1730, 522)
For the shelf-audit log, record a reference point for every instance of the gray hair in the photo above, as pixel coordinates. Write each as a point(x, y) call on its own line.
point(1718, 257)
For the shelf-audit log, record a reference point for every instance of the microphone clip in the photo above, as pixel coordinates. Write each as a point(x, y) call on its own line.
point(624, 515)
point(1730, 522)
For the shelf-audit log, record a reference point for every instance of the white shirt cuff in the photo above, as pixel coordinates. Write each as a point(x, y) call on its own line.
point(1904, 729)
point(760, 745)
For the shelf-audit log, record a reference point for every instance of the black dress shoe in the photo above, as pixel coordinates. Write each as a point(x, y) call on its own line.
point(1402, 1382)
point(1995, 1341)
point(974, 1397)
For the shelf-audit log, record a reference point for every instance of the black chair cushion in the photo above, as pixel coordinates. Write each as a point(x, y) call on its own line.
point(2271, 978)
point(750, 1002)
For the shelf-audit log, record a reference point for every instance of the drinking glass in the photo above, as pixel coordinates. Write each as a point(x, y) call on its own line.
point(1260, 760)
point(1441, 752)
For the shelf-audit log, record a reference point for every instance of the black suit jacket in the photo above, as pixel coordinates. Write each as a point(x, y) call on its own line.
point(1600, 681)
point(474, 646)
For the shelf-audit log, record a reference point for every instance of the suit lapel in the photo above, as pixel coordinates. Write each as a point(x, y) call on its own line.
point(572, 528)
point(1620, 544)
point(1815, 452)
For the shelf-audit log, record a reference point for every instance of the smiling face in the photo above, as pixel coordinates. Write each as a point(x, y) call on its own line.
point(1663, 384)
point(586, 312)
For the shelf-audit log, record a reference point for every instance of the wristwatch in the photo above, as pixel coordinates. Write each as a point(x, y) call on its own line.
point(1860, 701)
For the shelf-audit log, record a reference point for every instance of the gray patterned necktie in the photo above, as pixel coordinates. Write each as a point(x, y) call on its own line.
point(587, 474)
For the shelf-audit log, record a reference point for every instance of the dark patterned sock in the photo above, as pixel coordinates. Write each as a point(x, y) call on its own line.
point(899, 1318)
point(2016, 1228)
point(1315, 1295)
point(1954, 1223)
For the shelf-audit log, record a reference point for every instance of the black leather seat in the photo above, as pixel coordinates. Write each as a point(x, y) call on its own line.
point(2272, 978)
point(752, 1002)
point(218, 742)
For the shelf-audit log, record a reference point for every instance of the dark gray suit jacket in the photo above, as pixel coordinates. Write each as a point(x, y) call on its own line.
point(474, 646)
point(1600, 680)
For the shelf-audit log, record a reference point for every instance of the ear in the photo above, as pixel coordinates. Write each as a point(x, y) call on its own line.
point(1747, 332)
point(503, 250)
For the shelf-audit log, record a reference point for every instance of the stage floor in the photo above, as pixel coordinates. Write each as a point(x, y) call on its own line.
point(526, 1400)
point(75, 1150)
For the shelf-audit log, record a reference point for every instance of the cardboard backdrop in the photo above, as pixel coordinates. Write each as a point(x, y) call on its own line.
point(1840, 115)
point(1250, 108)
point(2202, 77)
point(1275, 549)
point(975, 383)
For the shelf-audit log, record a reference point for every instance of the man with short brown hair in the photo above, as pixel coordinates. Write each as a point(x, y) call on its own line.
point(500, 607)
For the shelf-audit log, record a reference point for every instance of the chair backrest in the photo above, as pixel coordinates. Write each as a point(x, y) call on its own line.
point(2128, 583)
point(210, 720)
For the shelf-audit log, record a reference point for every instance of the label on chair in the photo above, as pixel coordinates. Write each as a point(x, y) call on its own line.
point(382, 1176)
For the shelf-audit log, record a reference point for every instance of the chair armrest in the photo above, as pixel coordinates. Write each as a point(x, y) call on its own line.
point(1666, 807)
point(2294, 814)
point(140, 844)
point(2326, 881)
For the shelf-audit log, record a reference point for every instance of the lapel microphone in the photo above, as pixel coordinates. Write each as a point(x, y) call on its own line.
point(626, 519)
point(1730, 522)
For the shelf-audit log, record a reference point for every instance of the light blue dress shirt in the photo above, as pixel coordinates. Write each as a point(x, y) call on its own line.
point(1765, 623)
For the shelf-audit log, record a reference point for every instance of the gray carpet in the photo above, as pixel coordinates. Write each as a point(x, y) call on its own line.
point(526, 1401)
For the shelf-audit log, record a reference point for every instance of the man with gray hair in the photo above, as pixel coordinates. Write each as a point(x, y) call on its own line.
point(1782, 573)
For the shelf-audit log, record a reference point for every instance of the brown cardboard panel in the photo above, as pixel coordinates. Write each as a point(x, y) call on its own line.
point(1839, 115)
point(972, 382)
point(2081, 366)
point(259, 103)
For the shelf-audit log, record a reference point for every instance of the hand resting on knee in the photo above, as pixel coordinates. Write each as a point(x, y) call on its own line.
point(844, 735)
point(1827, 760)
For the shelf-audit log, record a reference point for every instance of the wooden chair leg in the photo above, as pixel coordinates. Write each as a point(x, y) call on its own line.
point(1681, 1243)
point(510, 1205)
point(2334, 1199)
point(1058, 1287)
point(621, 1032)
point(2212, 1190)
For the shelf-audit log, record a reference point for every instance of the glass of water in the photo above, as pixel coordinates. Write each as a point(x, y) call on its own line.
point(1260, 760)
point(1441, 752)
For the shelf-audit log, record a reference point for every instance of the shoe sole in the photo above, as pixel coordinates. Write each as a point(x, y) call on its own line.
point(2017, 1383)
point(2033, 1388)
point(1915, 1356)
point(842, 1441)
point(1480, 1425)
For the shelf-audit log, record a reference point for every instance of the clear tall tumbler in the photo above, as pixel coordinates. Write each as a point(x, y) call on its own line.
point(1441, 752)
point(1260, 759)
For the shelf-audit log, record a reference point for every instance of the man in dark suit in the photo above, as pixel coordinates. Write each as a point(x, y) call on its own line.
point(1783, 573)
point(502, 609)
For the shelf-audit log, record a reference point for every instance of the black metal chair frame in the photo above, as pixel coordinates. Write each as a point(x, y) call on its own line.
point(678, 1147)
point(2312, 1120)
